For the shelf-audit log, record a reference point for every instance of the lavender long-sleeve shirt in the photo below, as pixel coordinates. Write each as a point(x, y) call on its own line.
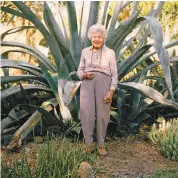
point(103, 60)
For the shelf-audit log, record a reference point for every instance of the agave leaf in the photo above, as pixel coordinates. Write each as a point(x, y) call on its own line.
point(155, 11)
point(5, 70)
point(149, 92)
point(70, 89)
point(64, 28)
point(34, 52)
point(135, 102)
point(124, 66)
point(32, 108)
point(93, 18)
point(126, 3)
point(156, 32)
point(74, 37)
point(15, 30)
point(50, 80)
point(85, 20)
point(134, 8)
point(27, 127)
point(7, 79)
point(55, 30)
point(117, 10)
point(14, 115)
point(14, 89)
point(14, 12)
point(66, 115)
point(104, 8)
point(116, 38)
point(53, 26)
point(148, 68)
point(55, 50)
point(11, 63)
point(144, 103)
point(171, 44)
point(32, 71)
point(115, 115)
point(81, 19)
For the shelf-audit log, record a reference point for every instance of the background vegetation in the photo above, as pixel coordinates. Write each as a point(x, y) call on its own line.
point(44, 95)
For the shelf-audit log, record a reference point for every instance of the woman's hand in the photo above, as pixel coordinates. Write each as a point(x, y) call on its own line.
point(88, 75)
point(108, 96)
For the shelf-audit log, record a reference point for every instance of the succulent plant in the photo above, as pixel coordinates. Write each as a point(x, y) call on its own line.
point(166, 135)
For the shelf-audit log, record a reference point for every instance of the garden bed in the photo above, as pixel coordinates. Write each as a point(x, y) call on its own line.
point(127, 158)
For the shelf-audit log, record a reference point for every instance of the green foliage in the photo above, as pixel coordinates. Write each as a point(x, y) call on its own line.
point(167, 137)
point(55, 77)
point(57, 158)
point(165, 174)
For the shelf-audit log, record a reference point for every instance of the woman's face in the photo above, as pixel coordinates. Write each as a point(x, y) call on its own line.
point(97, 40)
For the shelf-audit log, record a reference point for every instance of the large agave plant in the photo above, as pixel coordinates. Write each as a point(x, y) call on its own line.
point(58, 79)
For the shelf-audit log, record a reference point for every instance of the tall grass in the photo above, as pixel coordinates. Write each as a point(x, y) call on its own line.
point(58, 158)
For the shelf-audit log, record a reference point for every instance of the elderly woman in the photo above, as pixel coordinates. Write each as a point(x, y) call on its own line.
point(98, 72)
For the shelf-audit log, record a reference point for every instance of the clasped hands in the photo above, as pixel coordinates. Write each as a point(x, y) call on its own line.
point(109, 94)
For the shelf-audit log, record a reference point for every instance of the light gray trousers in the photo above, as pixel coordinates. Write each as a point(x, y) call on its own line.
point(92, 106)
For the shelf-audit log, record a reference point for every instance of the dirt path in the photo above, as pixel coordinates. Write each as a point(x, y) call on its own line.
point(130, 157)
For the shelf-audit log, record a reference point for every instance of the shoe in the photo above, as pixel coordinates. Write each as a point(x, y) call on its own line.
point(90, 149)
point(102, 151)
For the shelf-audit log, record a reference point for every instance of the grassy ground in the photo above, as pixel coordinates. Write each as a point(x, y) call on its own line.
point(127, 158)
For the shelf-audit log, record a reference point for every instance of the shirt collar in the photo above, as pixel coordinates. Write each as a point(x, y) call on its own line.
point(103, 47)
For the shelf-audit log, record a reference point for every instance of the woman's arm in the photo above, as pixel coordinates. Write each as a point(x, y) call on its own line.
point(81, 67)
point(114, 76)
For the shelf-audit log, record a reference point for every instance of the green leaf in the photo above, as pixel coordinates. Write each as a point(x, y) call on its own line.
point(14, 12)
point(27, 127)
point(11, 63)
point(50, 80)
point(53, 26)
point(135, 102)
point(149, 92)
point(32, 51)
point(116, 38)
point(14, 89)
point(15, 30)
point(14, 116)
point(70, 89)
point(32, 108)
point(103, 15)
point(114, 19)
point(156, 32)
point(7, 79)
point(124, 67)
point(115, 115)
point(146, 56)
point(74, 37)
point(148, 68)
point(93, 17)
point(56, 32)
point(55, 50)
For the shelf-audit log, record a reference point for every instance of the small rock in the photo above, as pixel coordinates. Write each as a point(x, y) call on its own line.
point(38, 139)
point(85, 170)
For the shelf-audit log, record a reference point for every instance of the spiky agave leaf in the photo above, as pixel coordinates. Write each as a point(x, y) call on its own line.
point(149, 92)
point(27, 127)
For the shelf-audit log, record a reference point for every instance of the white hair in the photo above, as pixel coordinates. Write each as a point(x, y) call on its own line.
point(97, 28)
